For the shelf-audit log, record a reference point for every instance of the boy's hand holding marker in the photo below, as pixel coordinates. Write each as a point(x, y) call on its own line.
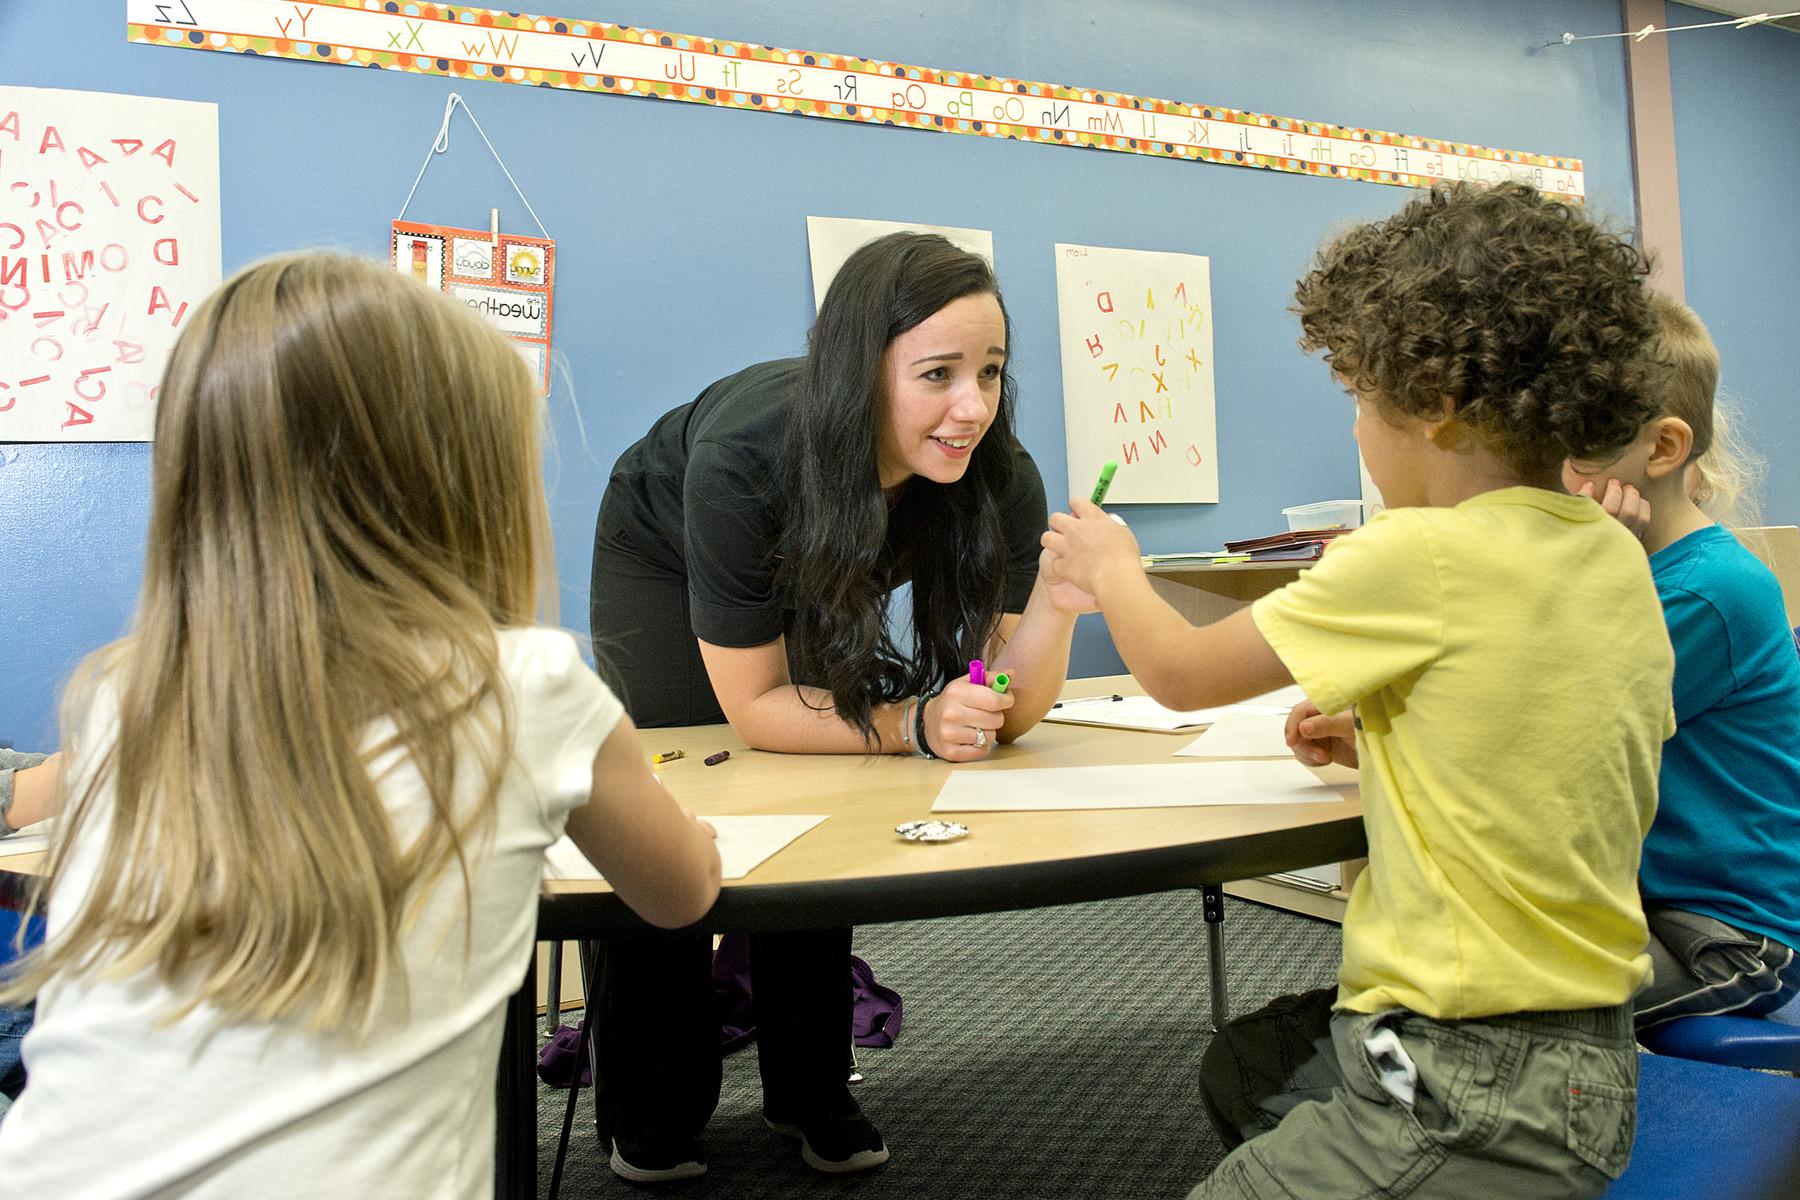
point(1087, 547)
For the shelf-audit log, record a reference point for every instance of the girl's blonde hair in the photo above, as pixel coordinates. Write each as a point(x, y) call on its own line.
point(1685, 379)
point(346, 502)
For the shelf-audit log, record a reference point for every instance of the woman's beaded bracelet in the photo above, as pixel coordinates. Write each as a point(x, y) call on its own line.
point(920, 743)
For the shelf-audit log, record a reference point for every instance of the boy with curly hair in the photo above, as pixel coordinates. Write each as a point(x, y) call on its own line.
point(1490, 652)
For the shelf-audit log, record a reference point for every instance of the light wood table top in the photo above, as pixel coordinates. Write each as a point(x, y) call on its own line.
point(854, 869)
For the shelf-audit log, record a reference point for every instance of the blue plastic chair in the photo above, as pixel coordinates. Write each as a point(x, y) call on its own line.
point(1729, 1041)
point(1712, 1132)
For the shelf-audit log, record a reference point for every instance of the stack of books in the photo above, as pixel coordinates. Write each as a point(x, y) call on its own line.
point(1296, 545)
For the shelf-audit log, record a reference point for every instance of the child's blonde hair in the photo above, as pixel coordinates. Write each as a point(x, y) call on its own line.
point(1685, 380)
point(347, 499)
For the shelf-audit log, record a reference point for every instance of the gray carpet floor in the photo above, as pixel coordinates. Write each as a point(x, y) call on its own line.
point(1048, 1053)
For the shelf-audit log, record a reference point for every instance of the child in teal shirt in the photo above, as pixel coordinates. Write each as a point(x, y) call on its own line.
point(1721, 869)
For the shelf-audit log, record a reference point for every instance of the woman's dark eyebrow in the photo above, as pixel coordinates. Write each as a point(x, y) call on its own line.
point(956, 356)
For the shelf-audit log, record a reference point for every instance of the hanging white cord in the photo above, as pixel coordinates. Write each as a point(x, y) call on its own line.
point(1569, 39)
point(441, 143)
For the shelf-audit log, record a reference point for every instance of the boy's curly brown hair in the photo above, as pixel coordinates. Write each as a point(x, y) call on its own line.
point(1525, 313)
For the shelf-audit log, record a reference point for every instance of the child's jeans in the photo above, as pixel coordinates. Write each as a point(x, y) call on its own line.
point(1703, 967)
point(15, 1023)
point(1528, 1104)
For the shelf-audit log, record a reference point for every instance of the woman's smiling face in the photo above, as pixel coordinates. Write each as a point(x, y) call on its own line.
point(941, 391)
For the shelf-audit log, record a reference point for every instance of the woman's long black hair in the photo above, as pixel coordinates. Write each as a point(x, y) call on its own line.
point(949, 537)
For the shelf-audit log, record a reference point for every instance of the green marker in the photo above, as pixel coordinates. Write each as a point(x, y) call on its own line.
point(1106, 474)
point(1000, 682)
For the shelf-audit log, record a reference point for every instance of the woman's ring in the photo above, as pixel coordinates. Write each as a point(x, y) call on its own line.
point(980, 738)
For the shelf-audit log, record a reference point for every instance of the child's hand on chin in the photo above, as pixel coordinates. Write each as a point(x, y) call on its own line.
point(1086, 543)
point(1622, 503)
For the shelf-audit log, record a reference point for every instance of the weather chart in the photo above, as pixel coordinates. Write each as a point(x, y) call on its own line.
point(505, 278)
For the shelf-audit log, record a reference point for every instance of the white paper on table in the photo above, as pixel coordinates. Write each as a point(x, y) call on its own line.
point(29, 840)
point(745, 843)
point(1158, 785)
point(1131, 712)
point(1241, 735)
point(1282, 698)
point(1141, 712)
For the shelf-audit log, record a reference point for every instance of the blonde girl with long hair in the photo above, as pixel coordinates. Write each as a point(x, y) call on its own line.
point(315, 781)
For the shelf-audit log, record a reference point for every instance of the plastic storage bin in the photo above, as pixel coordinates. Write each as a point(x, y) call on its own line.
point(1326, 514)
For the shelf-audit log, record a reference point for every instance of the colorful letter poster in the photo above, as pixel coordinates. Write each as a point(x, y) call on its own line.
point(109, 239)
point(831, 240)
point(1137, 372)
point(505, 278)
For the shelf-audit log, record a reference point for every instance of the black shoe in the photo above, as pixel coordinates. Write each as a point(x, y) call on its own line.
point(837, 1145)
point(657, 1158)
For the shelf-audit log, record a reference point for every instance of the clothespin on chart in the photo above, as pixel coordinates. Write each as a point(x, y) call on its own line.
point(493, 229)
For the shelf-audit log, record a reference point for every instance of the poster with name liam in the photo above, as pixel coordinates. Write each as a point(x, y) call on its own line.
point(109, 240)
point(505, 278)
point(1136, 328)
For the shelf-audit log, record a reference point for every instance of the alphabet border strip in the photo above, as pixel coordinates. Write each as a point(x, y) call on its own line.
point(461, 42)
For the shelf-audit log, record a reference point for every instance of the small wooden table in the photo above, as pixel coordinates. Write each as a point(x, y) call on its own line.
point(854, 870)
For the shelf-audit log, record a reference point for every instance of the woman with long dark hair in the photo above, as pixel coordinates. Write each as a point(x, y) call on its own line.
point(746, 551)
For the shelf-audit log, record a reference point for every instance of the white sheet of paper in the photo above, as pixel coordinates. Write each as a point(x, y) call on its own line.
point(28, 840)
point(1241, 735)
point(1157, 785)
point(1141, 712)
point(831, 240)
point(1133, 712)
point(745, 843)
point(1326, 878)
point(1282, 698)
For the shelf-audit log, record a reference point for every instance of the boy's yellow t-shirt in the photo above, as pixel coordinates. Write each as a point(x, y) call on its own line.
point(1511, 675)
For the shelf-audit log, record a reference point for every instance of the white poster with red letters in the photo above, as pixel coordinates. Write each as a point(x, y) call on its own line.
point(109, 240)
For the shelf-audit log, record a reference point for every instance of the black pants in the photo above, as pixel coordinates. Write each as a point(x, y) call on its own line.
point(658, 1032)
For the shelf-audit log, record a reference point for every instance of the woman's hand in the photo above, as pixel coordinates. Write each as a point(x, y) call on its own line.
point(1317, 738)
point(1623, 503)
point(962, 722)
point(1083, 545)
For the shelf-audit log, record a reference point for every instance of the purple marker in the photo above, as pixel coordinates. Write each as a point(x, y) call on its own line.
point(977, 673)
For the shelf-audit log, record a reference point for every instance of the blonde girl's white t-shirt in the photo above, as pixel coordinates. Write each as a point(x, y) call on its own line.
point(120, 1105)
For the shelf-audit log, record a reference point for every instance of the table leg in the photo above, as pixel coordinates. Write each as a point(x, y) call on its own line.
point(1212, 907)
point(515, 1099)
point(593, 962)
point(553, 990)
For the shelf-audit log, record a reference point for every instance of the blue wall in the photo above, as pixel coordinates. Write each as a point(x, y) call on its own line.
point(682, 237)
point(1737, 117)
